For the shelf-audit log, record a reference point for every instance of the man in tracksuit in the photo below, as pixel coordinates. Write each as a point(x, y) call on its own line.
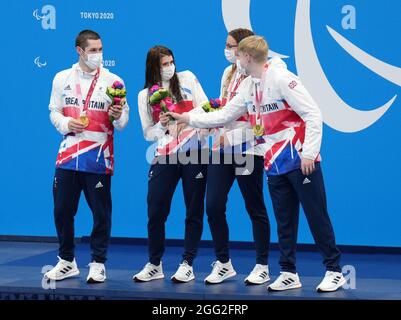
point(287, 129)
point(84, 114)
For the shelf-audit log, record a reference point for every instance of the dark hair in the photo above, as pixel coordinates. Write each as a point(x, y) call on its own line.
point(153, 71)
point(238, 35)
point(82, 39)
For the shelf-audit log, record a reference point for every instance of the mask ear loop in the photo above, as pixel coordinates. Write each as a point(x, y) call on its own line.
point(84, 53)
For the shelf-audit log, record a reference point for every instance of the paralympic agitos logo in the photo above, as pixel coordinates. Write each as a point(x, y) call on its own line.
point(336, 112)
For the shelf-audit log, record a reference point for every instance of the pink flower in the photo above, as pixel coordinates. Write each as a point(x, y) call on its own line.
point(215, 103)
point(154, 88)
point(169, 103)
point(156, 108)
point(117, 100)
point(117, 85)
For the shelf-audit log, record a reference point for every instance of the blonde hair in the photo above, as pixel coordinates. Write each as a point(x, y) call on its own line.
point(255, 46)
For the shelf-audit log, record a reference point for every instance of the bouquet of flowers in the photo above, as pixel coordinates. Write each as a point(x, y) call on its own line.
point(212, 105)
point(117, 94)
point(160, 99)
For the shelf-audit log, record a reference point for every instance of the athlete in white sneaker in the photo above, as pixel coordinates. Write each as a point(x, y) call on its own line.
point(87, 134)
point(149, 272)
point(185, 273)
point(63, 269)
point(220, 272)
point(224, 168)
point(331, 282)
point(259, 275)
point(287, 130)
point(97, 273)
point(166, 170)
point(286, 281)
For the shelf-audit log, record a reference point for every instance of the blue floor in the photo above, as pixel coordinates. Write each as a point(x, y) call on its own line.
point(378, 276)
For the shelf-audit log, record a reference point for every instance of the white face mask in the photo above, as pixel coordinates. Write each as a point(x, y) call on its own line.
point(94, 60)
point(240, 69)
point(168, 72)
point(230, 55)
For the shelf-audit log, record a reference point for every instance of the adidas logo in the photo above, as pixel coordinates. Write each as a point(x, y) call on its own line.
point(67, 87)
point(99, 185)
point(199, 176)
point(306, 181)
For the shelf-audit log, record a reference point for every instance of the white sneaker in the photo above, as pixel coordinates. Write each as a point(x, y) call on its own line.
point(259, 275)
point(63, 269)
point(97, 273)
point(185, 273)
point(331, 282)
point(285, 281)
point(220, 272)
point(149, 272)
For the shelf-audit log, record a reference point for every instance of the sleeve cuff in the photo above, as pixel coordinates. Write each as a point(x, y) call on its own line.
point(122, 122)
point(64, 125)
point(309, 156)
point(160, 126)
point(118, 124)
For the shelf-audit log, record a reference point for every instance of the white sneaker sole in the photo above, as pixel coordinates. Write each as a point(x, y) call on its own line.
point(291, 287)
point(70, 274)
point(91, 280)
point(177, 280)
point(136, 279)
point(249, 282)
point(227, 276)
point(338, 286)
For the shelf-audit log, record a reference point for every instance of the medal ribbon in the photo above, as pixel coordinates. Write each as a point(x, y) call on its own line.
point(232, 91)
point(90, 91)
point(259, 96)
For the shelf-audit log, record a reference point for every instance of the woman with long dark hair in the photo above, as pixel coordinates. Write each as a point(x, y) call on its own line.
point(173, 145)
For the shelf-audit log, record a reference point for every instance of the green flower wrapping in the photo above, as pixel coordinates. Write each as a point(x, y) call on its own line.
point(163, 106)
point(208, 107)
point(159, 95)
point(111, 92)
point(155, 98)
point(117, 96)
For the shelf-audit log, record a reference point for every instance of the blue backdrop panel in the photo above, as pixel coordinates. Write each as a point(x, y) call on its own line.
point(360, 164)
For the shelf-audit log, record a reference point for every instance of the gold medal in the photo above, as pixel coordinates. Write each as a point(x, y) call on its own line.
point(84, 120)
point(258, 130)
